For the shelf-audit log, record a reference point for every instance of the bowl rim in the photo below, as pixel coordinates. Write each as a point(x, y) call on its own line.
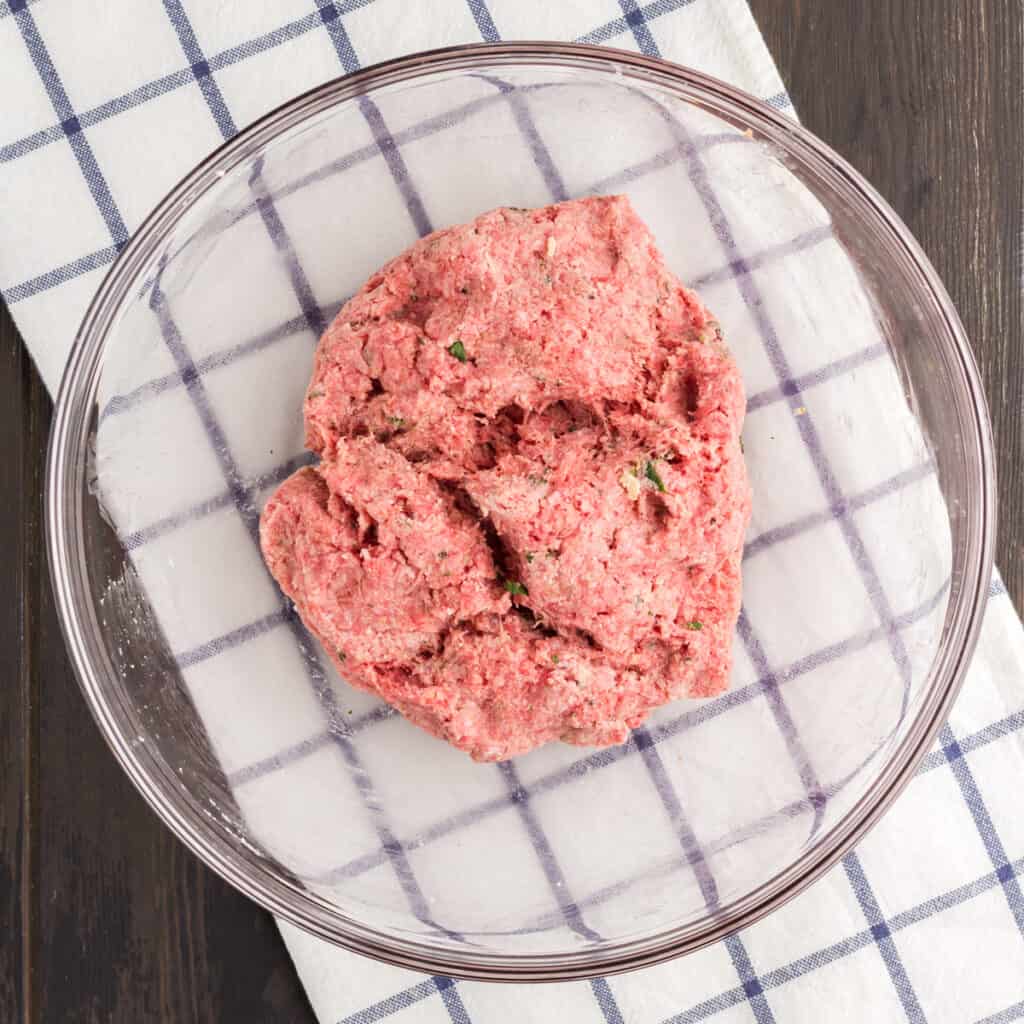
point(69, 571)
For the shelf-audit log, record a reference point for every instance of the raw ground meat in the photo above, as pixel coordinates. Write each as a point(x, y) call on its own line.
point(528, 516)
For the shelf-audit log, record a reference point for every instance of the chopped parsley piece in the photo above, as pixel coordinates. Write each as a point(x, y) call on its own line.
point(457, 349)
point(555, 659)
point(696, 625)
point(342, 655)
point(529, 557)
point(397, 422)
point(515, 587)
point(652, 474)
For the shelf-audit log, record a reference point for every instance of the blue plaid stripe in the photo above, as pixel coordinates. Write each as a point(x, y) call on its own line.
point(139, 538)
point(847, 506)
point(542, 846)
point(314, 317)
point(995, 731)
point(200, 68)
point(783, 719)
point(484, 22)
point(647, 746)
point(740, 267)
point(538, 150)
point(57, 276)
point(393, 1004)
point(70, 124)
point(983, 821)
point(780, 101)
point(14, 6)
point(882, 935)
point(752, 987)
point(331, 17)
point(569, 909)
point(1011, 1013)
point(620, 26)
point(606, 1001)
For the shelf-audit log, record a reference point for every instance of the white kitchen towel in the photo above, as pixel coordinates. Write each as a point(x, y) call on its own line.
point(108, 104)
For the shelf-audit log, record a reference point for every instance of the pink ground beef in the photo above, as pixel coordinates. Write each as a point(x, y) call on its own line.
point(528, 516)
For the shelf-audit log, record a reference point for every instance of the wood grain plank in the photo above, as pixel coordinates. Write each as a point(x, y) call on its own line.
point(927, 100)
point(18, 704)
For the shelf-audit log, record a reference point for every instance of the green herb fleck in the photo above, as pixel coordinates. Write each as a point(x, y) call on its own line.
point(537, 481)
point(316, 393)
point(742, 449)
point(457, 349)
point(529, 557)
point(397, 422)
point(442, 554)
point(342, 655)
point(515, 587)
point(555, 659)
point(652, 474)
point(696, 625)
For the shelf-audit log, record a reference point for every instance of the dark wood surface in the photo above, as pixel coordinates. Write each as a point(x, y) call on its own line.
point(104, 917)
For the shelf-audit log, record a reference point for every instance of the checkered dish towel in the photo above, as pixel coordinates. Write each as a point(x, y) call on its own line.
point(108, 104)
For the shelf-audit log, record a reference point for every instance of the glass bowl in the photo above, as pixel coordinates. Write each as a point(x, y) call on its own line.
point(866, 567)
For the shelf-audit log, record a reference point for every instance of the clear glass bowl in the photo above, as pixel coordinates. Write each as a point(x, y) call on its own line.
point(866, 572)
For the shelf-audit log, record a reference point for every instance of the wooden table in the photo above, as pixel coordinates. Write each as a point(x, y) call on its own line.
point(117, 922)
